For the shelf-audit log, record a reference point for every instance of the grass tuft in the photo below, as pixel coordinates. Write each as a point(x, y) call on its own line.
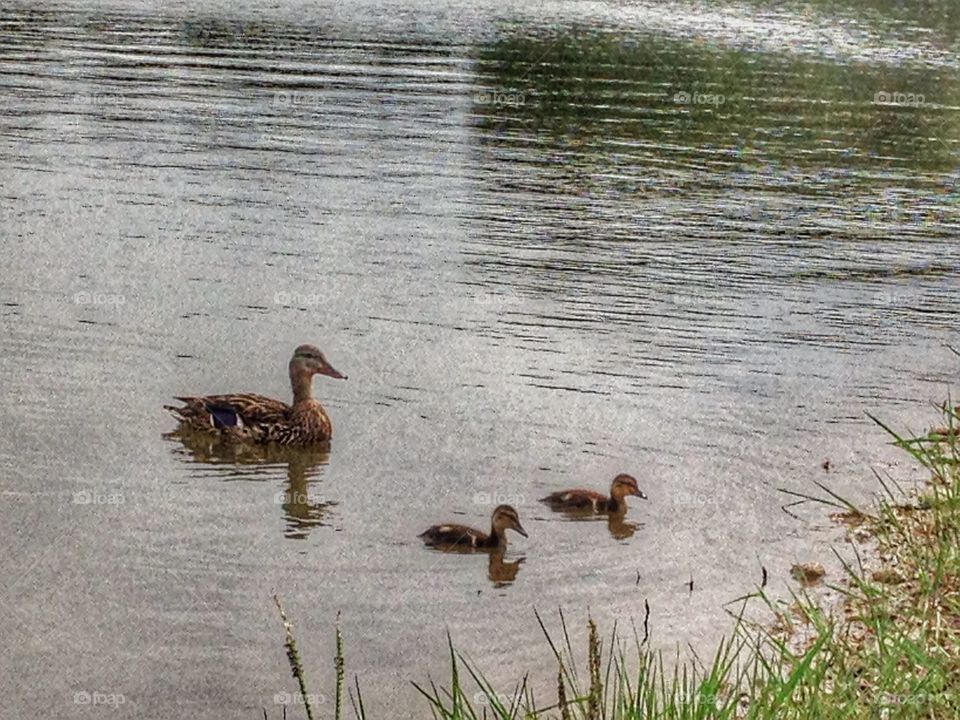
point(296, 667)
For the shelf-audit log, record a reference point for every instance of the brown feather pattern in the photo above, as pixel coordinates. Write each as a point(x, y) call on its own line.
point(260, 419)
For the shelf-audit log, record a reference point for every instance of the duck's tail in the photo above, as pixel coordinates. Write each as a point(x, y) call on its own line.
point(177, 412)
point(185, 413)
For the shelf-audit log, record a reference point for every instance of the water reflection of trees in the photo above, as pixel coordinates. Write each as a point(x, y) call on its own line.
point(943, 16)
point(607, 93)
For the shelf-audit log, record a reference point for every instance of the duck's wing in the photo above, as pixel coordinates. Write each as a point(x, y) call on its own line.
point(451, 534)
point(232, 410)
point(575, 498)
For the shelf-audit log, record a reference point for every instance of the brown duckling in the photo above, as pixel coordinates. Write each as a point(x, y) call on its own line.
point(620, 488)
point(503, 518)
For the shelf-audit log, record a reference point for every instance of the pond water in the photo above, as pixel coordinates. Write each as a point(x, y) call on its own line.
point(548, 242)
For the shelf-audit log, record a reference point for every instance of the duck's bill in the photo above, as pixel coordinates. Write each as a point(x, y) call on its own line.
point(521, 530)
point(640, 494)
point(333, 372)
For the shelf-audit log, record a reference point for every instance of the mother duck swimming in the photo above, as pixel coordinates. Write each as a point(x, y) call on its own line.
point(248, 417)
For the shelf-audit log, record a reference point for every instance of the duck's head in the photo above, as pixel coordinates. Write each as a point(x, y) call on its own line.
point(309, 359)
point(506, 518)
point(624, 485)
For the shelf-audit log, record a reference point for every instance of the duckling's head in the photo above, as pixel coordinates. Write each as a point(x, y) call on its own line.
point(506, 518)
point(624, 485)
point(309, 359)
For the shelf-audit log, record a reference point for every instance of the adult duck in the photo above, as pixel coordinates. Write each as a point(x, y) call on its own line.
point(248, 417)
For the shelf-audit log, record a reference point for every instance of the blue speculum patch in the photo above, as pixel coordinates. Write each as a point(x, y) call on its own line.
point(224, 417)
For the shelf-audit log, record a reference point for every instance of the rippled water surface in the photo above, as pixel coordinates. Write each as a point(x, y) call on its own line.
point(548, 242)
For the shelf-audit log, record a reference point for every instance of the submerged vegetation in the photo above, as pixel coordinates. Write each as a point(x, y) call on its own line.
point(889, 648)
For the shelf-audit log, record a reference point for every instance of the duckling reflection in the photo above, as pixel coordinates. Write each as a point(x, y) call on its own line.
point(499, 571)
point(248, 461)
point(502, 573)
point(300, 511)
point(617, 524)
point(620, 528)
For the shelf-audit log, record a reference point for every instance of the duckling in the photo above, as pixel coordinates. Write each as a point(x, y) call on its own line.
point(621, 486)
point(503, 518)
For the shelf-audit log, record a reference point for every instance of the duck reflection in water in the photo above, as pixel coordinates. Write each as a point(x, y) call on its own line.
point(502, 573)
point(617, 524)
point(499, 571)
point(620, 528)
point(245, 461)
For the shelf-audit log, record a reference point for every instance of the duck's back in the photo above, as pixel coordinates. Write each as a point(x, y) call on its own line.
point(453, 535)
point(576, 498)
point(232, 409)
